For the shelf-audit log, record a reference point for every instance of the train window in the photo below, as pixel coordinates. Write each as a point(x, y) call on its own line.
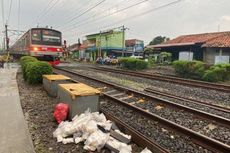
point(51, 36)
point(36, 35)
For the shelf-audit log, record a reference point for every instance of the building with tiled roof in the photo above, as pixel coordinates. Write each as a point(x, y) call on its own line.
point(211, 48)
point(134, 46)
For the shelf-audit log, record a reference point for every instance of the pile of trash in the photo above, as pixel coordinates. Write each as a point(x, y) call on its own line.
point(95, 131)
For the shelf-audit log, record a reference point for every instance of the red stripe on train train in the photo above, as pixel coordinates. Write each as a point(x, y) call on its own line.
point(42, 48)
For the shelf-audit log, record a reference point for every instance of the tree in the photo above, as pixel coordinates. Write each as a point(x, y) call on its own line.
point(159, 40)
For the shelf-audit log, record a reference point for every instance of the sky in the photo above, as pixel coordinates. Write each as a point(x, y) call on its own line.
point(144, 19)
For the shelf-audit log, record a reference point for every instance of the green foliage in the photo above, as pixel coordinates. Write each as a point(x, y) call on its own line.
point(152, 60)
point(220, 72)
point(35, 70)
point(146, 50)
point(198, 70)
point(189, 69)
point(180, 68)
point(158, 40)
point(25, 61)
point(25, 58)
point(164, 58)
point(132, 63)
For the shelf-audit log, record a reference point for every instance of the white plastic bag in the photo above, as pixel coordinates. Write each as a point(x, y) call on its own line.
point(96, 140)
point(120, 146)
point(124, 135)
point(67, 140)
point(146, 150)
point(125, 149)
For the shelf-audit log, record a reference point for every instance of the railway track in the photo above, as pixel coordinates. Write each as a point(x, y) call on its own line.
point(201, 105)
point(187, 82)
point(121, 95)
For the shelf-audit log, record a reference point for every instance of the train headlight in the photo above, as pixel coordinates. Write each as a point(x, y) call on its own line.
point(35, 49)
point(58, 49)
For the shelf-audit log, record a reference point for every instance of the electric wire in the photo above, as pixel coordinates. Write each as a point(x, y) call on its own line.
point(86, 11)
point(8, 20)
point(48, 10)
point(137, 15)
point(19, 12)
point(99, 13)
point(102, 17)
point(3, 16)
point(93, 16)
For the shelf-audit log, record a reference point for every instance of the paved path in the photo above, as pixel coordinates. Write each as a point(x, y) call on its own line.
point(14, 133)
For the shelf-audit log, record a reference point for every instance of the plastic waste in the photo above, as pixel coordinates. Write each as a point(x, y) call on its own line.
point(60, 112)
point(146, 150)
point(119, 146)
point(93, 128)
point(125, 149)
point(67, 140)
point(124, 135)
point(96, 140)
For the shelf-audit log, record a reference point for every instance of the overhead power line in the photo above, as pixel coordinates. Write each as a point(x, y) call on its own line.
point(19, 12)
point(102, 17)
point(87, 10)
point(98, 13)
point(48, 9)
point(138, 15)
point(146, 12)
point(8, 20)
point(3, 16)
point(42, 12)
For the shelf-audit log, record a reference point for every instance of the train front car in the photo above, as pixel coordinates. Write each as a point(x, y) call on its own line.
point(46, 45)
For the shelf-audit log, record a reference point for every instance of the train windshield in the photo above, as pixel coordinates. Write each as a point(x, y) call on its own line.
point(51, 36)
point(36, 35)
point(46, 37)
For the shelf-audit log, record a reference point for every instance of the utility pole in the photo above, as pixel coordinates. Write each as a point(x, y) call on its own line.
point(7, 39)
point(123, 40)
point(3, 45)
point(99, 54)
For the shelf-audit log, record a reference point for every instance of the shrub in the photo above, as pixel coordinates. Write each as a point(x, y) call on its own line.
point(181, 68)
point(190, 69)
point(152, 61)
point(132, 63)
point(220, 72)
point(25, 61)
point(164, 58)
point(35, 70)
point(25, 58)
point(196, 69)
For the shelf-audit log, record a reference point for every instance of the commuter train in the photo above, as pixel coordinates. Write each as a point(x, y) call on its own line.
point(43, 43)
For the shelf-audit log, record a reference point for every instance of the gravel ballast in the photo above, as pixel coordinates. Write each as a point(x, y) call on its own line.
point(38, 110)
point(181, 117)
point(166, 138)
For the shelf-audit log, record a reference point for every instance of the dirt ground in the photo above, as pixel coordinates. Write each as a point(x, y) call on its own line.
point(38, 110)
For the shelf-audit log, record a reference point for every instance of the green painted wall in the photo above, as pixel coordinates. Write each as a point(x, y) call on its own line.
point(111, 40)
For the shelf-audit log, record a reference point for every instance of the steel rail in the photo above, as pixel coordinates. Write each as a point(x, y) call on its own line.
point(195, 83)
point(137, 137)
point(217, 107)
point(200, 139)
point(212, 117)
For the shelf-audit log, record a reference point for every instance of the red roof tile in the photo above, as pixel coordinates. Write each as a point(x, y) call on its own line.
point(130, 41)
point(217, 39)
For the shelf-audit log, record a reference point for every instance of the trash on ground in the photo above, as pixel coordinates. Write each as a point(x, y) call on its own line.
point(94, 130)
point(60, 112)
point(146, 150)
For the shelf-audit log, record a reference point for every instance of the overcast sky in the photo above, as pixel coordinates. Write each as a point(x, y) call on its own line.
point(145, 19)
